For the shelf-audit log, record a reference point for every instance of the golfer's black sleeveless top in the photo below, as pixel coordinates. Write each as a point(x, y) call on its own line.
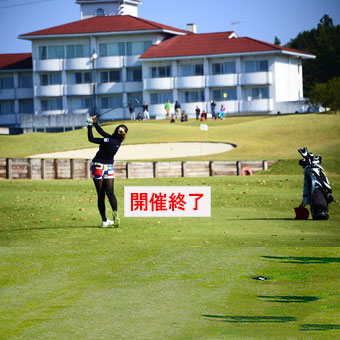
point(108, 147)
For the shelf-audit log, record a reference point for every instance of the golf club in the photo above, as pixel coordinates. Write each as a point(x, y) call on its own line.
point(104, 113)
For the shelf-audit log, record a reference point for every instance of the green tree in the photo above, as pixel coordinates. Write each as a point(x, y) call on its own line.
point(277, 41)
point(324, 43)
point(327, 94)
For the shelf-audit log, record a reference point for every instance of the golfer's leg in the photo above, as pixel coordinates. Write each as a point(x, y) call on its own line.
point(108, 187)
point(101, 197)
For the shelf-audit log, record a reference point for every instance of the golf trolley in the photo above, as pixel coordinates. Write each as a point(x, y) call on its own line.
point(316, 189)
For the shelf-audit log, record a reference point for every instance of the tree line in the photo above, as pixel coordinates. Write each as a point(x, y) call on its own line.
point(321, 75)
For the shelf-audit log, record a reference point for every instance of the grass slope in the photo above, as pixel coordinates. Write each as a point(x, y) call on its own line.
point(267, 137)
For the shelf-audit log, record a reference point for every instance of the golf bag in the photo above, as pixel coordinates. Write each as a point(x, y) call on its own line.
point(316, 188)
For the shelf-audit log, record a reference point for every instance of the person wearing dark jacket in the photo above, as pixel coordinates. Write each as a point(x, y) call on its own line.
point(177, 109)
point(102, 167)
point(146, 111)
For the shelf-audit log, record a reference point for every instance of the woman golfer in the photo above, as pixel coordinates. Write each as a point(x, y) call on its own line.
point(102, 167)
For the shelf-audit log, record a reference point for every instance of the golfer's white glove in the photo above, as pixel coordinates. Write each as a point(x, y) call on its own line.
point(89, 121)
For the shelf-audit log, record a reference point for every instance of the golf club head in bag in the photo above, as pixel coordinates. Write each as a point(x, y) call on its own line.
point(308, 157)
point(303, 152)
point(317, 160)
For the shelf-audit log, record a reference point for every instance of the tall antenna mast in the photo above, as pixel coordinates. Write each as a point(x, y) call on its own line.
point(234, 23)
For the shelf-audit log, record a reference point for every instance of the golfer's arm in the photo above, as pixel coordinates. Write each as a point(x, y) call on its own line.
point(101, 131)
point(90, 136)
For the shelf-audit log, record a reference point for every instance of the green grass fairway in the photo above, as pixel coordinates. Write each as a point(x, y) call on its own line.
point(61, 277)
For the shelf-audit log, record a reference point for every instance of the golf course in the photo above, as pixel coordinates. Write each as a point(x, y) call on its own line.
point(250, 271)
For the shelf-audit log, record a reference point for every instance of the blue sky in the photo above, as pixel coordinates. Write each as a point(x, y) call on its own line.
point(261, 19)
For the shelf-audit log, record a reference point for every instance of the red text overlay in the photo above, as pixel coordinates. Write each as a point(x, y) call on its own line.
point(169, 201)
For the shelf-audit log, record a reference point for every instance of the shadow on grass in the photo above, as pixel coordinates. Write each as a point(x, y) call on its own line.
point(261, 219)
point(56, 227)
point(303, 260)
point(319, 327)
point(288, 299)
point(249, 319)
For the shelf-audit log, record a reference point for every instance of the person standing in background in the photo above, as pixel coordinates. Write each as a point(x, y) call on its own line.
point(167, 107)
point(146, 111)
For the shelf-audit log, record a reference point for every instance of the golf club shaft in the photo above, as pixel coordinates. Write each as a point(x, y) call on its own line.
point(102, 114)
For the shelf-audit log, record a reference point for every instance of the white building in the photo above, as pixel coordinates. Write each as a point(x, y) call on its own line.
point(16, 88)
point(111, 57)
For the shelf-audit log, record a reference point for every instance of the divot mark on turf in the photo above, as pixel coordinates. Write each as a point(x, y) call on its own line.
point(260, 278)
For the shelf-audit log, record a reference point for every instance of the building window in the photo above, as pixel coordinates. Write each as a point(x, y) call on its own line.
point(218, 94)
point(50, 79)
point(160, 71)
point(255, 66)
point(255, 93)
point(191, 70)
point(51, 52)
point(160, 97)
point(100, 12)
point(78, 51)
point(123, 49)
point(6, 82)
point(81, 103)
point(25, 81)
point(112, 102)
point(134, 74)
point(80, 77)
point(110, 76)
point(51, 104)
point(26, 106)
point(137, 47)
point(193, 96)
point(6, 107)
point(112, 49)
point(224, 68)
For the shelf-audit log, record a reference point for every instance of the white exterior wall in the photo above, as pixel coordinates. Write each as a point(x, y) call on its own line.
point(283, 79)
point(288, 79)
point(70, 65)
point(15, 95)
point(208, 82)
point(114, 8)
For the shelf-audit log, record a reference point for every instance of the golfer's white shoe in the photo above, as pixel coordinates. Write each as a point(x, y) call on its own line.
point(116, 220)
point(107, 223)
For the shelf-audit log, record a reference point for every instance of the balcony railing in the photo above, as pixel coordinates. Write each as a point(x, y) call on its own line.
point(190, 82)
point(48, 65)
point(109, 62)
point(78, 64)
point(257, 105)
point(220, 80)
point(256, 78)
point(49, 91)
point(7, 94)
point(78, 90)
point(107, 88)
point(159, 83)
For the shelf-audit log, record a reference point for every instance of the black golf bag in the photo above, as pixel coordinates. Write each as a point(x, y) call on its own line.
point(316, 189)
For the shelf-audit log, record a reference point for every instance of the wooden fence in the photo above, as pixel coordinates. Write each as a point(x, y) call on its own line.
point(32, 168)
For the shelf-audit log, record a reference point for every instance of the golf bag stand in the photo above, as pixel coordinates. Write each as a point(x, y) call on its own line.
point(316, 189)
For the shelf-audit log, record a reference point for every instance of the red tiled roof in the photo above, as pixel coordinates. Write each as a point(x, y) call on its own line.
point(117, 23)
point(209, 44)
point(16, 61)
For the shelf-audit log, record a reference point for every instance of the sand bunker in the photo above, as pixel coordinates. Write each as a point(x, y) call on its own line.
point(147, 151)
